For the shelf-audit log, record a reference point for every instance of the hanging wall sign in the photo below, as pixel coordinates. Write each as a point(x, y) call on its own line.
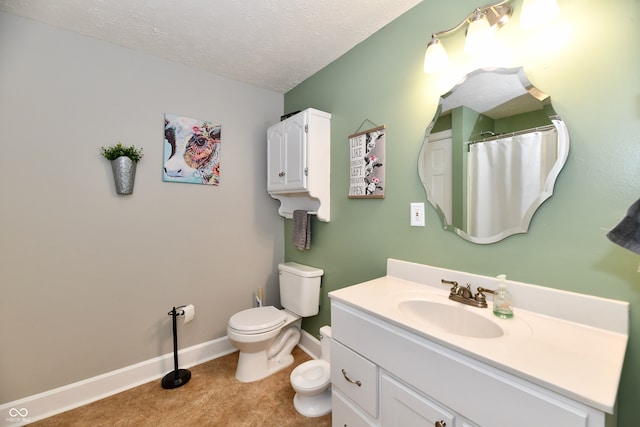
point(366, 164)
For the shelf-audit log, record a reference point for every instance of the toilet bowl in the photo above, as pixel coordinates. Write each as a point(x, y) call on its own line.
point(266, 335)
point(312, 381)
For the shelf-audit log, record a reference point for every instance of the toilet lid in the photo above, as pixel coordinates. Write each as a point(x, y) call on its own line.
point(257, 320)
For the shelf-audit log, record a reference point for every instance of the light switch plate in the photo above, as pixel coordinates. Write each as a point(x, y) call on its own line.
point(417, 214)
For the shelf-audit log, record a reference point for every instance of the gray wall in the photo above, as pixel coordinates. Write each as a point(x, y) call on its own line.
point(86, 276)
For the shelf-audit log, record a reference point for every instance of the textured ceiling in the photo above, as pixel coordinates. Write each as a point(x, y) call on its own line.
point(273, 44)
point(495, 94)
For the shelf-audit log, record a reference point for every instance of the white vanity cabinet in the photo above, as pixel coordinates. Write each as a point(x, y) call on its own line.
point(408, 380)
point(299, 163)
point(364, 394)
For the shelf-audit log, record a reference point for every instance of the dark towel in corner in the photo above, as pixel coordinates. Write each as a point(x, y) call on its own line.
point(301, 230)
point(627, 233)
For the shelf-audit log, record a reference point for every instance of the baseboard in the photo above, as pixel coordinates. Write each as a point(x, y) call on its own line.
point(42, 405)
point(310, 344)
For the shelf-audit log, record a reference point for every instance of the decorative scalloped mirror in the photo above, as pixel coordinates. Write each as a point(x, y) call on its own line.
point(492, 154)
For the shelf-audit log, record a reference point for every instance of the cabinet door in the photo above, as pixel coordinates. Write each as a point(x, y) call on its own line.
point(345, 414)
point(295, 152)
point(275, 157)
point(402, 406)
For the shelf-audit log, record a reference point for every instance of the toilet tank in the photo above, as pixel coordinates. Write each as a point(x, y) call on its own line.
point(300, 288)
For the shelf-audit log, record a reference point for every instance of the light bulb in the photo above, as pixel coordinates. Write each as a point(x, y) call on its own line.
point(435, 57)
point(537, 13)
point(479, 34)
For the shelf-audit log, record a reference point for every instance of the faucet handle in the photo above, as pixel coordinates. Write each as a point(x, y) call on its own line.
point(449, 282)
point(480, 298)
point(480, 295)
point(453, 283)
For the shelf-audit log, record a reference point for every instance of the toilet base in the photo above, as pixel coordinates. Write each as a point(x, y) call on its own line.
point(256, 366)
point(313, 406)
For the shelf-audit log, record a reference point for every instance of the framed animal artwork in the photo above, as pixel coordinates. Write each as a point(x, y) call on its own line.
point(191, 150)
point(366, 164)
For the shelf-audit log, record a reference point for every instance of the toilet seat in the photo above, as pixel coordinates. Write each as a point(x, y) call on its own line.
point(257, 320)
point(311, 375)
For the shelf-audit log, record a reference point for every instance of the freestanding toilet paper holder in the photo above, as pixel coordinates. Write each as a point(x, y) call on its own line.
point(177, 377)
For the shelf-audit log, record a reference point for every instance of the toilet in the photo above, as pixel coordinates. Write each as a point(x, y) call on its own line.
point(312, 381)
point(266, 335)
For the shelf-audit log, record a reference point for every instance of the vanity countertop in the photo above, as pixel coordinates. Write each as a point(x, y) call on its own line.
point(558, 347)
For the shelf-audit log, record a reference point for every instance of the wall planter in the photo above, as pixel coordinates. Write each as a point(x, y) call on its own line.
point(124, 174)
point(123, 163)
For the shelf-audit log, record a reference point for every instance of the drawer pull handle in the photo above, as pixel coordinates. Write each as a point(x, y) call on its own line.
point(344, 374)
point(441, 424)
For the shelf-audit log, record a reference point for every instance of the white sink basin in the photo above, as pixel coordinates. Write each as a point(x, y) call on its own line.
point(456, 320)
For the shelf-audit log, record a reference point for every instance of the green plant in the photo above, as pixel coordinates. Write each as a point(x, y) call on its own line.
point(118, 150)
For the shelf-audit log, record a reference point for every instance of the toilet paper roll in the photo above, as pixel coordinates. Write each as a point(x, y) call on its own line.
point(189, 313)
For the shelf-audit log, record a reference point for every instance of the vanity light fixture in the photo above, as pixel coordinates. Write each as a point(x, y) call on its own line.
point(480, 26)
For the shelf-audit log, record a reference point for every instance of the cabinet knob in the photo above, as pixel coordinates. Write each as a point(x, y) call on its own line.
point(281, 174)
point(441, 424)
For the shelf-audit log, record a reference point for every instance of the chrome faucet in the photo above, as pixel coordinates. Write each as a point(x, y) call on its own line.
point(464, 295)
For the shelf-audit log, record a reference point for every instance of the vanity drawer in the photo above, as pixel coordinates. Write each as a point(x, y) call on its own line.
point(356, 377)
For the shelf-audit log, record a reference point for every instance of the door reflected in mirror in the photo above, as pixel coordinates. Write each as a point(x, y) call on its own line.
point(492, 154)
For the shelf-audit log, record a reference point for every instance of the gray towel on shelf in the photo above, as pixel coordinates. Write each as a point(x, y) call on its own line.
point(627, 233)
point(301, 230)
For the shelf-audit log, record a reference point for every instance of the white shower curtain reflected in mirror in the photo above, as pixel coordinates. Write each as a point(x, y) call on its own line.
point(507, 180)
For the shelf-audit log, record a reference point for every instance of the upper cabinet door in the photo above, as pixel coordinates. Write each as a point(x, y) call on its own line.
point(275, 159)
point(287, 155)
point(295, 152)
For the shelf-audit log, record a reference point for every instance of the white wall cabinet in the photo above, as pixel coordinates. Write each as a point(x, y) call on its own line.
point(299, 163)
point(396, 378)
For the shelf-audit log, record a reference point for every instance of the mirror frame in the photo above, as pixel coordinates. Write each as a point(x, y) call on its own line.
point(450, 100)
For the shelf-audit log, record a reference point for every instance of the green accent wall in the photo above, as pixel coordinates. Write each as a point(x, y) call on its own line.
point(591, 70)
point(518, 122)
